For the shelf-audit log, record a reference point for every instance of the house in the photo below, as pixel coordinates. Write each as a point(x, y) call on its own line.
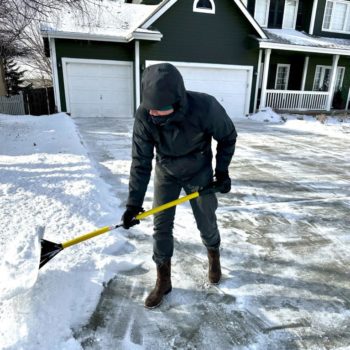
point(287, 54)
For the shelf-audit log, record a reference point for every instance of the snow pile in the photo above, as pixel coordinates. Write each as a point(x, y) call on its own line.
point(19, 267)
point(321, 124)
point(266, 115)
point(47, 179)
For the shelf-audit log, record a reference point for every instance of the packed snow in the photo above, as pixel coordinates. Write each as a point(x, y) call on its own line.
point(49, 185)
point(284, 239)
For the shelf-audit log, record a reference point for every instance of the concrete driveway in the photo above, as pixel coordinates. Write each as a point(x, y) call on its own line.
point(285, 250)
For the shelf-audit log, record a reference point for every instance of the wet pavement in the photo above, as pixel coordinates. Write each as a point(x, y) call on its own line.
point(285, 250)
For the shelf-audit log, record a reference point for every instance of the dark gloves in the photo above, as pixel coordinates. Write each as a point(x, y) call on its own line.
point(223, 181)
point(128, 218)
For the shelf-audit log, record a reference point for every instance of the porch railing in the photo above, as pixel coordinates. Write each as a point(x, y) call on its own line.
point(296, 100)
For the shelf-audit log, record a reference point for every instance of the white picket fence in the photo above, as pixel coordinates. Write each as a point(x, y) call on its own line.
point(12, 104)
point(296, 100)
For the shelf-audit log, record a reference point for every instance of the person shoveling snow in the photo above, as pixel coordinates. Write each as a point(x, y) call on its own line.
point(19, 267)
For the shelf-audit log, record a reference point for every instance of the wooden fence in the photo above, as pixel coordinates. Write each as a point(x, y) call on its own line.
point(12, 104)
point(34, 101)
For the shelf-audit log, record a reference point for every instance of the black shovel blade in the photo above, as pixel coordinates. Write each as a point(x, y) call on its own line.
point(48, 251)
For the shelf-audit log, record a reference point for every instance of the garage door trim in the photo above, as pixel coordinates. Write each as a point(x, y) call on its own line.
point(249, 69)
point(66, 60)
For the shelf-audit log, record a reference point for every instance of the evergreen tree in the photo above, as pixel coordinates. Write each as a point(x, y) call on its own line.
point(13, 77)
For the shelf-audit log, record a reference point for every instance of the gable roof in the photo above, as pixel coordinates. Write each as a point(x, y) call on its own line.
point(167, 4)
point(117, 21)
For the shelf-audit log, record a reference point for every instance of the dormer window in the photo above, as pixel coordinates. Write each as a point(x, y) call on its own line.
point(290, 14)
point(261, 13)
point(204, 6)
point(337, 16)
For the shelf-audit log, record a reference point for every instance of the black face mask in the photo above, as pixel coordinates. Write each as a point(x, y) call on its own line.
point(161, 120)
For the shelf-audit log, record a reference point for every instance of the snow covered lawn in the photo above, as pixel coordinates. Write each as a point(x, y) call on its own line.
point(285, 242)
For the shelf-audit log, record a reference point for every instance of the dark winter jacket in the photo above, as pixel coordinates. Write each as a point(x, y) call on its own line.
point(183, 140)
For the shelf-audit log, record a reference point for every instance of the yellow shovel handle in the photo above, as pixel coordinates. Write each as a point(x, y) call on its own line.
point(140, 216)
point(167, 205)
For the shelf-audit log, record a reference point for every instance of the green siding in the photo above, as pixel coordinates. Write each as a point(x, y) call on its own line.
point(222, 38)
point(89, 50)
point(296, 62)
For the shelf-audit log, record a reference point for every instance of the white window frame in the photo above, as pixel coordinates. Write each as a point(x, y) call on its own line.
point(212, 11)
point(295, 16)
point(347, 17)
point(279, 65)
point(266, 17)
point(323, 67)
point(245, 2)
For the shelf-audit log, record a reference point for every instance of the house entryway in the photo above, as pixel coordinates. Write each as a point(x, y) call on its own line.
point(98, 88)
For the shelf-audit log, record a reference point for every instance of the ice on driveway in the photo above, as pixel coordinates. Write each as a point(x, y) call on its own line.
point(20, 265)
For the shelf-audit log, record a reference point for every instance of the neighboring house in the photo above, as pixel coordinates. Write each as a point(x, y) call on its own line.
point(220, 46)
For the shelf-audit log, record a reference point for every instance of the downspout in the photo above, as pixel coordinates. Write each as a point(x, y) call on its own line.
point(137, 74)
point(265, 77)
point(332, 84)
point(257, 81)
point(313, 17)
point(53, 60)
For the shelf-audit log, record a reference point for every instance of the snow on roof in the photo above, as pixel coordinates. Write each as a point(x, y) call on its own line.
point(105, 18)
point(294, 37)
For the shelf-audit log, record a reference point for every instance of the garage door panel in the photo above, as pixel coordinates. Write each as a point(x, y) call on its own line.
point(99, 89)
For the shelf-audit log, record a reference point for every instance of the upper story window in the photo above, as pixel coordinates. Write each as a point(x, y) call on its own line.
point(290, 14)
point(337, 16)
point(205, 6)
point(261, 13)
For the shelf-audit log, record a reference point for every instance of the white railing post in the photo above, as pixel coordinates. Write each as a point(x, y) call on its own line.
point(332, 81)
point(265, 77)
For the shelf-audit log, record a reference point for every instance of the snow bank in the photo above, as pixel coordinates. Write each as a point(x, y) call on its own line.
point(335, 126)
point(46, 178)
point(266, 115)
point(20, 265)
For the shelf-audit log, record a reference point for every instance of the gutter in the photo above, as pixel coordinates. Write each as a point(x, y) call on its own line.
point(136, 35)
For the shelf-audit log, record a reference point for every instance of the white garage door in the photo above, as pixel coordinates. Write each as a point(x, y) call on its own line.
point(95, 88)
point(231, 85)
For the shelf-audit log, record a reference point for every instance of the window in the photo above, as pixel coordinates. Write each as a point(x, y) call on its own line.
point(323, 77)
point(337, 16)
point(205, 6)
point(290, 14)
point(282, 76)
point(261, 13)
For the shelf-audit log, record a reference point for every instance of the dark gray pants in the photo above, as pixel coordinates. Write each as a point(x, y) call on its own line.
point(167, 188)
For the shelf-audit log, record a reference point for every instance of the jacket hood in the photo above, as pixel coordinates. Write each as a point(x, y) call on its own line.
point(162, 85)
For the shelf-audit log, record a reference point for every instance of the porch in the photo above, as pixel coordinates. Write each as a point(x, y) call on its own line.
point(303, 77)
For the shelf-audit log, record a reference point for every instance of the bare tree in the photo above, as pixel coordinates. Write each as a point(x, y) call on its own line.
point(19, 31)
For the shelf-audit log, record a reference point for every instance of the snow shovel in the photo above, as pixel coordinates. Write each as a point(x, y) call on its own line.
point(51, 249)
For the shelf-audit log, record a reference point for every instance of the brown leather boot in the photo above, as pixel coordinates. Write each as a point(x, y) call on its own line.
point(214, 266)
point(162, 287)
